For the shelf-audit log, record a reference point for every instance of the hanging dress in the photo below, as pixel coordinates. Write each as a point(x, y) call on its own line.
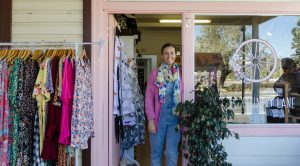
point(4, 116)
point(37, 161)
point(67, 101)
point(135, 134)
point(27, 110)
point(50, 149)
point(42, 96)
point(82, 127)
point(13, 103)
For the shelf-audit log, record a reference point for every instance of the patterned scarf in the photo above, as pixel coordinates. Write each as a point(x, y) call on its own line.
point(165, 74)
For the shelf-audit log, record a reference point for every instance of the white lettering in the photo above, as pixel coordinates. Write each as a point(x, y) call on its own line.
point(283, 103)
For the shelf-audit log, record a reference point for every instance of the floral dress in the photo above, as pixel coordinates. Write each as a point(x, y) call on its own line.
point(82, 118)
point(42, 96)
point(4, 116)
point(12, 99)
point(27, 111)
point(135, 134)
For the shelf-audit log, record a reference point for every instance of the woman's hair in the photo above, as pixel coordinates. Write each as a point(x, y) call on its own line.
point(288, 64)
point(165, 46)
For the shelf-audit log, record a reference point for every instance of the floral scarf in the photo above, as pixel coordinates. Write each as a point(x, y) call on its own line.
point(165, 74)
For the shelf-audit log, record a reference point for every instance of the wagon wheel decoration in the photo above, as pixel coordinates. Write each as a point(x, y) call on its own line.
point(254, 61)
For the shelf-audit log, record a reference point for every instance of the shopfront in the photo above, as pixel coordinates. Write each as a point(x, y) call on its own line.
point(261, 143)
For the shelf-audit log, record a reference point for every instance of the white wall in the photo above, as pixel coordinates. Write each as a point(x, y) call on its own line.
point(47, 20)
point(152, 40)
point(263, 151)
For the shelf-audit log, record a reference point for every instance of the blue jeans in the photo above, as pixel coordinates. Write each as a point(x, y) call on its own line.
point(157, 140)
point(166, 131)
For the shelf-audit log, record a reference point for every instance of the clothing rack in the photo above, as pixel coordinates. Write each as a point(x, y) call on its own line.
point(65, 44)
point(54, 44)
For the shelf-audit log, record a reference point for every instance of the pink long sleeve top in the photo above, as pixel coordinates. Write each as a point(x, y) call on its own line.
point(152, 103)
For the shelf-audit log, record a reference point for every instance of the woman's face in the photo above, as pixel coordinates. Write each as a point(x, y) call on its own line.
point(169, 56)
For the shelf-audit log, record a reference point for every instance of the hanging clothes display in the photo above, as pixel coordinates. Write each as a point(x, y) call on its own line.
point(135, 134)
point(36, 100)
point(128, 100)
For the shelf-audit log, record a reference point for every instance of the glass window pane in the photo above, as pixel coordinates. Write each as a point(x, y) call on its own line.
point(264, 72)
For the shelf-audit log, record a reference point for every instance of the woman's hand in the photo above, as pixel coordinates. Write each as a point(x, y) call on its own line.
point(151, 127)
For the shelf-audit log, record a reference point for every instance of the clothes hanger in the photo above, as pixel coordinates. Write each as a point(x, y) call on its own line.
point(63, 53)
point(1, 53)
point(53, 54)
point(36, 54)
point(12, 55)
point(47, 54)
point(73, 54)
point(7, 56)
point(58, 53)
point(83, 54)
point(22, 56)
point(39, 55)
point(27, 54)
point(42, 56)
point(69, 52)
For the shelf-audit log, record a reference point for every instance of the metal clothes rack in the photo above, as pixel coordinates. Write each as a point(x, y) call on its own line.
point(53, 44)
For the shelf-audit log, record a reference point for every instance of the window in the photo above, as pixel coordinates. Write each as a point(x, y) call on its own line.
point(268, 100)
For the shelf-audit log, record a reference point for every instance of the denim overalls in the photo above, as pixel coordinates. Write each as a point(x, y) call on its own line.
point(166, 129)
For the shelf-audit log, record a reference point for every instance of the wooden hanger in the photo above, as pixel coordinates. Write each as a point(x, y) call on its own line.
point(6, 56)
point(45, 55)
point(53, 54)
point(12, 55)
point(69, 52)
point(1, 53)
point(5, 53)
point(73, 54)
point(22, 56)
point(35, 54)
point(28, 54)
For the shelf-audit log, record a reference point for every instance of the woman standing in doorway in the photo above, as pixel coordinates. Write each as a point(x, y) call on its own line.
point(164, 92)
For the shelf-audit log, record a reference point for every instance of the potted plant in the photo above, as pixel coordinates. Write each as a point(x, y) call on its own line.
point(203, 125)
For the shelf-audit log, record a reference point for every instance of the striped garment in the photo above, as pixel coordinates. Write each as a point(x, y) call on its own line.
point(37, 161)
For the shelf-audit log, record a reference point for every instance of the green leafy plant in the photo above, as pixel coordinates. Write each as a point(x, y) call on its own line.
point(203, 125)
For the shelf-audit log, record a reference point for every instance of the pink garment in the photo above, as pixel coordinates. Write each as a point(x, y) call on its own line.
point(67, 102)
point(5, 140)
point(152, 103)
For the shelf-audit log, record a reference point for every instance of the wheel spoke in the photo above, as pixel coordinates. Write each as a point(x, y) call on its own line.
point(245, 54)
point(248, 70)
point(250, 50)
point(255, 50)
point(261, 51)
point(268, 54)
point(254, 72)
point(264, 67)
point(246, 60)
point(266, 62)
point(258, 68)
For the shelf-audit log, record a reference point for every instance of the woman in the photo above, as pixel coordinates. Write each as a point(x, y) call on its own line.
point(163, 93)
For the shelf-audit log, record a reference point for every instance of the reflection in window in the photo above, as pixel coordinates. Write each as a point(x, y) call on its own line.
point(266, 101)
